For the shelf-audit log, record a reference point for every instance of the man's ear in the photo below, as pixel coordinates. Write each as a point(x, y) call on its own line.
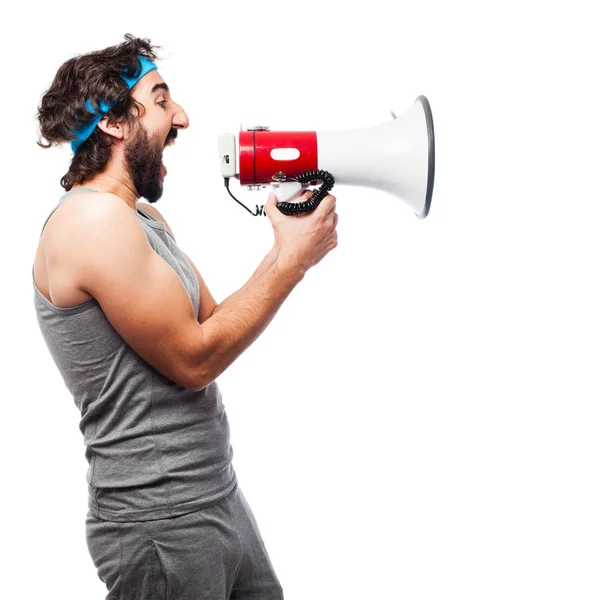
point(113, 128)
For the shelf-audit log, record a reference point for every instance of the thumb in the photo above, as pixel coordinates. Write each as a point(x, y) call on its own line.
point(270, 206)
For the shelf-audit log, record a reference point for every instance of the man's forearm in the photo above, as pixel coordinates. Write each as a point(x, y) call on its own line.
point(267, 261)
point(238, 323)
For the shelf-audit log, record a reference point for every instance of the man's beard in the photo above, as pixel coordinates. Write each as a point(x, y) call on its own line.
point(143, 158)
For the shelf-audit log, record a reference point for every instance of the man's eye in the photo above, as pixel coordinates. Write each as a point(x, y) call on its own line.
point(162, 103)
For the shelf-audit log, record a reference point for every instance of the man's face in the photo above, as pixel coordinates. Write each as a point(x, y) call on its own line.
point(151, 132)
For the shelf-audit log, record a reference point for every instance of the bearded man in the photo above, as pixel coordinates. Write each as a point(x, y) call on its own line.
point(139, 340)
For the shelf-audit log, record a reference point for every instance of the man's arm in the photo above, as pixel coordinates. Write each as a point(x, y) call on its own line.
point(208, 305)
point(267, 261)
point(139, 293)
point(240, 319)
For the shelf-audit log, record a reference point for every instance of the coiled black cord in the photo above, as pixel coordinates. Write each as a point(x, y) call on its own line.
point(296, 208)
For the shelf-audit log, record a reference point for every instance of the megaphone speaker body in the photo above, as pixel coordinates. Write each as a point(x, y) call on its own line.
point(397, 156)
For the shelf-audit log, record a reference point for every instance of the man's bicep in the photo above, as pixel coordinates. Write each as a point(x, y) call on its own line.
point(207, 302)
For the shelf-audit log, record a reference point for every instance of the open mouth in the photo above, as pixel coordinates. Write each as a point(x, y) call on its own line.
point(170, 142)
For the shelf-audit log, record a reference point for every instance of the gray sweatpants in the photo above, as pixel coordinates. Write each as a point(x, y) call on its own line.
point(216, 553)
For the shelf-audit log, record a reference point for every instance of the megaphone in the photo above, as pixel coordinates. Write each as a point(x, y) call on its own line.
point(397, 157)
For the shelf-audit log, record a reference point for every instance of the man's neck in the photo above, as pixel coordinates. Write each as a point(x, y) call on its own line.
point(118, 184)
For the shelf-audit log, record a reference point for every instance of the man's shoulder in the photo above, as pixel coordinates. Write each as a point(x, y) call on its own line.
point(72, 224)
point(67, 237)
point(68, 212)
point(85, 202)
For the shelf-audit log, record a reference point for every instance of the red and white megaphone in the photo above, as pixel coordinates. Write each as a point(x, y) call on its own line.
point(397, 157)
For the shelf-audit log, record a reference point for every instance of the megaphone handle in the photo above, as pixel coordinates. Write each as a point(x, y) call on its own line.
point(287, 190)
point(291, 189)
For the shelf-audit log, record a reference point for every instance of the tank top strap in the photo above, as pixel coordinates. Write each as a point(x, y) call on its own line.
point(148, 216)
point(75, 191)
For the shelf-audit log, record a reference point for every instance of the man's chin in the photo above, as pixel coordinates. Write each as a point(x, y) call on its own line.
point(155, 193)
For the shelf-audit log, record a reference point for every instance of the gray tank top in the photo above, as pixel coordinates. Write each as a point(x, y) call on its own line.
point(155, 449)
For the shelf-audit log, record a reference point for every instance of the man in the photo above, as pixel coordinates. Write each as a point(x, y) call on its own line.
point(140, 341)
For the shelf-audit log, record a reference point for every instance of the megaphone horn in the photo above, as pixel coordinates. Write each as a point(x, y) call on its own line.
point(397, 157)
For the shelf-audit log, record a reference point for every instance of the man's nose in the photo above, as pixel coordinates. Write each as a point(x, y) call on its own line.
point(180, 119)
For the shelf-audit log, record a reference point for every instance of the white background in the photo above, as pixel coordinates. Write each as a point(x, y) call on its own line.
point(420, 419)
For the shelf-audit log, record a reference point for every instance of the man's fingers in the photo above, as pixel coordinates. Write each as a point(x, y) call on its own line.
point(327, 204)
point(271, 207)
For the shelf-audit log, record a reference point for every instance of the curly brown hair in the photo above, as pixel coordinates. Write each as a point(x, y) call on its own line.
point(95, 76)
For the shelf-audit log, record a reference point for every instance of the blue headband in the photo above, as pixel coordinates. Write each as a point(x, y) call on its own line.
point(84, 132)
